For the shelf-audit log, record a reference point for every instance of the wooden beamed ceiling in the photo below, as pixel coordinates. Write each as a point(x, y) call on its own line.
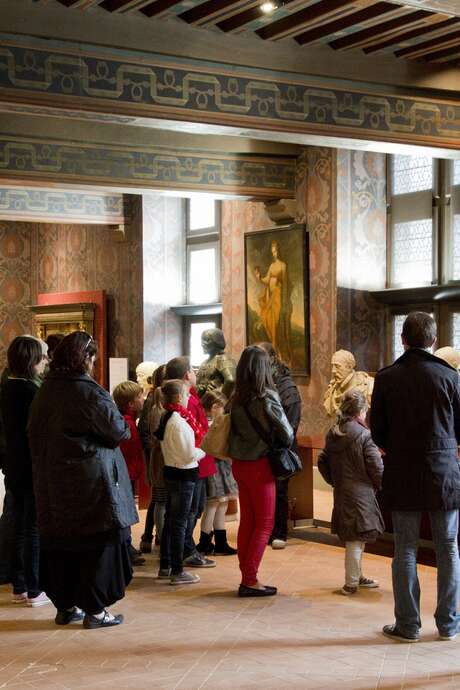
point(409, 29)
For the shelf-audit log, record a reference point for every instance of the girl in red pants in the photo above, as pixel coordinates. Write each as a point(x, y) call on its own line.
point(255, 396)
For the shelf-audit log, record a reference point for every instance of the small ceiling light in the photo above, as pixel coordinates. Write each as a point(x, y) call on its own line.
point(268, 7)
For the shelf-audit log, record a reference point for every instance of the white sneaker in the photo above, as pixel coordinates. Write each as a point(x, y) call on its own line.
point(184, 578)
point(40, 600)
point(278, 544)
point(19, 598)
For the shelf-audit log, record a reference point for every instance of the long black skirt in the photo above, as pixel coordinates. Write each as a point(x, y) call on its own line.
point(91, 578)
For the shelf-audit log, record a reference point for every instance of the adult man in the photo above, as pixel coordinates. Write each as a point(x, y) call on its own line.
point(415, 419)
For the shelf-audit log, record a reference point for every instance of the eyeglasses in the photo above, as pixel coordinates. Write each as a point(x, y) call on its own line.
point(90, 340)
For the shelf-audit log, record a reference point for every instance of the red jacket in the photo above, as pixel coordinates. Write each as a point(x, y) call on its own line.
point(132, 450)
point(207, 465)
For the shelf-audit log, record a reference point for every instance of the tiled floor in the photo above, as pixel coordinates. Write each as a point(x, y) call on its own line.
point(203, 636)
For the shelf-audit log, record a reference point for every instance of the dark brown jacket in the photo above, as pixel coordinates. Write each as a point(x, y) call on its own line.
point(353, 466)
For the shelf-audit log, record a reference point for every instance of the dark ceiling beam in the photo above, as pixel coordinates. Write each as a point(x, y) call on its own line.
point(294, 23)
point(450, 63)
point(344, 22)
point(439, 54)
point(376, 31)
point(415, 33)
point(242, 18)
point(124, 5)
point(157, 7)
point(84, 4)
point(421, 48)
point(205, 10)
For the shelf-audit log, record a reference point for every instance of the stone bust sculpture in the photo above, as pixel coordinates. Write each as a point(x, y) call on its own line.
point(218, 371)
point(144, 371)
point(344, 378)
point(449, 355)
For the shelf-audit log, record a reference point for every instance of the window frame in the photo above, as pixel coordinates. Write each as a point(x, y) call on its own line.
point(187, 327)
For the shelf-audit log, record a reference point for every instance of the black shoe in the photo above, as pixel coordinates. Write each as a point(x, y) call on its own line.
point(393, 632)
point(244, 591)
point(136, 560)
point(145, 545)
point(222, 547)
point(91, 622)
point(205, 545)
point(66, 617)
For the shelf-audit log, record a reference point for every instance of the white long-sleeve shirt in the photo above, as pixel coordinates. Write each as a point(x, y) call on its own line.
point(178, 445)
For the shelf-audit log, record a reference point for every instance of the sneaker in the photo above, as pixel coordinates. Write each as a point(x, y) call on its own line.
point(20, 598)
point(107, 621)
point(164, 574)
point(368, 583)
point(278, 544)
point(448, 637)
point(196, 560)
point(66, 617)
point(348, 590)
point(40, 600)
point(393, 632)
point(184, 578)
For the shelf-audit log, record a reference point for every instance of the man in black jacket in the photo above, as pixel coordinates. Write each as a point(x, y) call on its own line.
point(415, 420)
point(292, 406)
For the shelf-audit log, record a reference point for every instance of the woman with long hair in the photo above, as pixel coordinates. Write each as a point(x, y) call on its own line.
point(85, 504)
point(26, 364)
point(255, 398)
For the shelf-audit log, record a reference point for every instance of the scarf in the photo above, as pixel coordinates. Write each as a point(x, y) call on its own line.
point(191, 421)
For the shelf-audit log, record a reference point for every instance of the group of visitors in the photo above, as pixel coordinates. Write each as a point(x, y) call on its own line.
point(73, 455)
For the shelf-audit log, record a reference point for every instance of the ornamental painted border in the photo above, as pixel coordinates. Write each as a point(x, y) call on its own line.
point(152, 85)
point(57, 205)
point(153, 167)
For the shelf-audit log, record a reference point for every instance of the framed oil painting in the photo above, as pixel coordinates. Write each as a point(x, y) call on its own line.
point(277, 306)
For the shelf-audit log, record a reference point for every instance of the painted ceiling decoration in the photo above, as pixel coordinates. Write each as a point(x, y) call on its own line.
point(425, 30)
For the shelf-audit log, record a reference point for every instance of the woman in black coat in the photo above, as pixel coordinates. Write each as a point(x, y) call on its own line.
point(83, 494)
point(26, 362)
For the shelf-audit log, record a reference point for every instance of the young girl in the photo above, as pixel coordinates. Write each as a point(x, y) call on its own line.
point(220, 487)
point(351, 463)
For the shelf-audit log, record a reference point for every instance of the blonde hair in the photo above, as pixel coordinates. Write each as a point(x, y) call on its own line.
point(126, 392)
point(353, 403)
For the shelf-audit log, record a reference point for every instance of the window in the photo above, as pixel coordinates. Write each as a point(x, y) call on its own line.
point(203, 250)
point(397, 319)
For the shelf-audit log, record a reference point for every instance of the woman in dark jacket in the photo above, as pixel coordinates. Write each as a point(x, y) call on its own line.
point(352, 464)
point(26, 363)
point(85, 505)
point(255, 397)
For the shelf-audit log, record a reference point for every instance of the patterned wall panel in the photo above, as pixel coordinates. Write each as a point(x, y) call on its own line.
point(158, 167)
point(163, 269)
point(39, 257)
point(17, 203)
point(152, 85)
point(316, 203)
point(361, 255)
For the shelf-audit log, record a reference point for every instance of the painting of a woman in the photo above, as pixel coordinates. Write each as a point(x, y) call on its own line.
point(277, 293)
point(275, 303)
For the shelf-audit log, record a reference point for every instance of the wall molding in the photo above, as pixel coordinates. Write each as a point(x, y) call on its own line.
point(126, 83)
point(122, 165)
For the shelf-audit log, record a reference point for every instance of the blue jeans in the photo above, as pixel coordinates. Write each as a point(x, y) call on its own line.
point(197, 507)
point(406, 588)
point(178, 505)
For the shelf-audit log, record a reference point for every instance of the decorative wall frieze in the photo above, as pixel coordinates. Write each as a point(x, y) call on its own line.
point(153, 167)
point(54, 206)
point(91, 78)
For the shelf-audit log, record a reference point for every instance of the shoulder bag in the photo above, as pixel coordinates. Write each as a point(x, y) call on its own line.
point(215, 442)
point(284, 462)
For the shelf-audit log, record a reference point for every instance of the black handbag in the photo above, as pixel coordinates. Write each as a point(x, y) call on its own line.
point(284, 462)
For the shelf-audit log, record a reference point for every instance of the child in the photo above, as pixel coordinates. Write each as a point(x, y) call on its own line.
point(181, 456)
point(351, 463)
point(220, 487)
point(129, 398)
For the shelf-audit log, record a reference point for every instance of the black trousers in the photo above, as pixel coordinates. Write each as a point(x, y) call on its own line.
point(26, 548)
point(91, 579)
point(281, 510)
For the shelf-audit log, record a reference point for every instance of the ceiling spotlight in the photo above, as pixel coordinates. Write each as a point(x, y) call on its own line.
point(268, 7)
